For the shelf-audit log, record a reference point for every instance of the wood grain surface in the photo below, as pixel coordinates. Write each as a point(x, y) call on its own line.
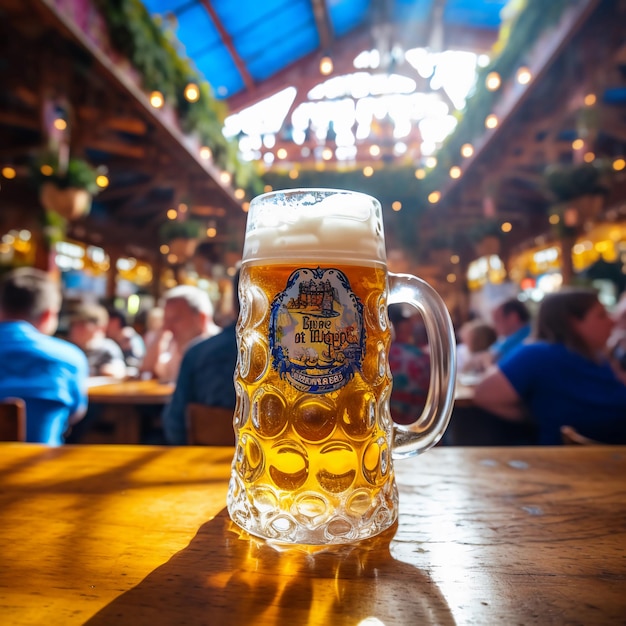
point(139, 535)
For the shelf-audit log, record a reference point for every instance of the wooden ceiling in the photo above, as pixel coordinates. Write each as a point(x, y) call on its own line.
point(47, 62)
point(44, 58)
point(585, 56)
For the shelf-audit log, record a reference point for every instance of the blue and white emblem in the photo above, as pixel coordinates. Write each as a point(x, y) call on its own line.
point(316, 329)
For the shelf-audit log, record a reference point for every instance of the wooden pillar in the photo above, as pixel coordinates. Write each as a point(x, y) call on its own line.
point(567, 241)
point(112, 276)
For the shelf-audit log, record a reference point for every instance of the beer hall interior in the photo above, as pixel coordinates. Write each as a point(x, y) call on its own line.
point(134, 135)
point(470, 121)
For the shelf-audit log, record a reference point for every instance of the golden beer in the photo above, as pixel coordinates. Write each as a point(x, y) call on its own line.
point(315, 438)
point(318, 461)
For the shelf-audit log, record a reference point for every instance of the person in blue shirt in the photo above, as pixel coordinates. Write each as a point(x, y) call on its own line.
point(511, 320)
point(49, 374)
point(563, 377)
point(206, 376)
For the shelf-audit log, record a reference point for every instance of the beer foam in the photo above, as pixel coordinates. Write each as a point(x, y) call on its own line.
point(322, 223)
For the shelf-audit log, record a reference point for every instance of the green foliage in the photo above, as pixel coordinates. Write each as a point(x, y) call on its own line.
point(54, 227)
point(567, 182)
point(159, 58)
point(517, 36)
point(175, 229)
point(79, 174)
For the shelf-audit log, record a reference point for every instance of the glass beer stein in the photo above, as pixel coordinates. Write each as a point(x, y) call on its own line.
point(315, 437)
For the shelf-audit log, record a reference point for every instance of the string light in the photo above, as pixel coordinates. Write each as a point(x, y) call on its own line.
point(590, 99)
point(493, 81)
point(588, 157)
point(431, 162)
point(368, 171)
point(397, 205)
point(171, 214)
point(46, 170)
point(293, 173)
point(326, 66)
point(156, 99)
point(451, 278)
point(9, 172)
point(281, 153)
point(225, 177)
point(192, 93)
point(327, 154)
point(523, 76)
point(240, 193)
point(467, 149)
point(60, 123)
point(211, 231)
point(164, 249)
point(491, 121)
point(374, 150)
point(205, 153)
point(102, 181)
point(455, 259)
point(506, 227)
point(455, 171)
point(577, 144)
point(420, 174)
point(434, 197)
point(619, 164)
point(554, 219)
point(245, 207)
point(267, 188)
point(182, 208)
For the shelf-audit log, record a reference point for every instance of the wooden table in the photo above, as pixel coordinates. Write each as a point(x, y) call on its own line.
point(139, 535)
point(122, 399)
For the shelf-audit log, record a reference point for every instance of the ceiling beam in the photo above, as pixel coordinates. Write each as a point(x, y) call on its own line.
point(228, 42)
point(323, 24)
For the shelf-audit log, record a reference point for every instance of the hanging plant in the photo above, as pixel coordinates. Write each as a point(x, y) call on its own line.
point(154, 51)
point(66, 191)
point(578, 192)
point(567, 182)
point(181, 236)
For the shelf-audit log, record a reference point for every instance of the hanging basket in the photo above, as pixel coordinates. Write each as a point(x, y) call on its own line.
point(184, 249)
point(70, 203)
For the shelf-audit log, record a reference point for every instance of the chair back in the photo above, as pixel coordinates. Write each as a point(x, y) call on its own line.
point(209, 425)
point(12, 419)
point(571, 437)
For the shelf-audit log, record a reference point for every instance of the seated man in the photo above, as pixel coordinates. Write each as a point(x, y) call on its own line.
point(88, 325)
point(205, 377)
point(511, 320)
point(187, 320)
point(49, 374)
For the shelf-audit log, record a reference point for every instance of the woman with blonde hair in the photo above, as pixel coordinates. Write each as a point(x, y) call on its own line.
point(562, 377)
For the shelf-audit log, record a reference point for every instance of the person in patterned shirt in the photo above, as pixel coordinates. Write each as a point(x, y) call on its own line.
point(410, 367)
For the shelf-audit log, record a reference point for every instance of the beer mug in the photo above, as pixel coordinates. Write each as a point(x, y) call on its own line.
point(315, 437)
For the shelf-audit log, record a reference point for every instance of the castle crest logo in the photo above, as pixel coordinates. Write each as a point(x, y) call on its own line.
point(316, 329)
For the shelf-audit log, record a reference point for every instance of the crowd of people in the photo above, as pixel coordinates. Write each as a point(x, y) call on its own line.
point(560, 369)
point(565, 366)
point(52, 374)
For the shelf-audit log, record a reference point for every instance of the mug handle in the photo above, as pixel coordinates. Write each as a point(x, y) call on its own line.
point(424, 433)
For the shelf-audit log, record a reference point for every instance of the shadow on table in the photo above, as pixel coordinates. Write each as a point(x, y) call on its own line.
point(224, 576)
